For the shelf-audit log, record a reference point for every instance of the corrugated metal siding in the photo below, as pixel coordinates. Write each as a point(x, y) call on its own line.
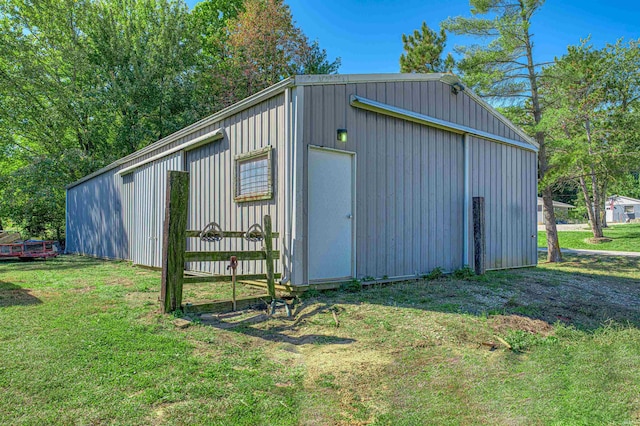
point(410, 178)
point(138, 231)
point(150, 183)
point(409, 196)
point(95, 219)
point(507, 178)
point(128, 213)
point(212, 171)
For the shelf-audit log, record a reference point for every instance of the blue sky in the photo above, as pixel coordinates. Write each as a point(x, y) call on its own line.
point(367, 34)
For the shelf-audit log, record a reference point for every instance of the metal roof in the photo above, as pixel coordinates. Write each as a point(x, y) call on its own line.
point(619, 199)
point(557, 204)
point(303, 80)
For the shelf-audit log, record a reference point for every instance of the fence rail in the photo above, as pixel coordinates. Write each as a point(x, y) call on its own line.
point(174, 253)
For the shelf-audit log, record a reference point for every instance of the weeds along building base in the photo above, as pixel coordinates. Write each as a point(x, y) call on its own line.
point(363, 175)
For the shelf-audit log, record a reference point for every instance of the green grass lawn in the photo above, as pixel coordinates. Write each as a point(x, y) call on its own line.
point(82, 342)
point(625, 238)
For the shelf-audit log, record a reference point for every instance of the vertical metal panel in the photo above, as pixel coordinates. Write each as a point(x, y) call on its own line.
point(409, 179)
point(150, 183)
point(144, 188)
point(128, 213)
point(212, 178)
point(99, 225)
point(506, 177)
point(95, 221)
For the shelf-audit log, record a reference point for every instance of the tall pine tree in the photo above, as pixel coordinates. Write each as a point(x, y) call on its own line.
point(504, 67)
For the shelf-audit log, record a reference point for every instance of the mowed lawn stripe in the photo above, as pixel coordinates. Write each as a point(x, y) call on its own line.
point(82, 342)
point(624, 238)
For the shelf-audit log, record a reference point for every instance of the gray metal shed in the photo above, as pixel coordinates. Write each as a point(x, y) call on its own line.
point(621, 209)
point(392, 200)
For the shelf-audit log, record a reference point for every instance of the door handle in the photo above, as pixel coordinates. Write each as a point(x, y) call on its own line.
point(349, 216)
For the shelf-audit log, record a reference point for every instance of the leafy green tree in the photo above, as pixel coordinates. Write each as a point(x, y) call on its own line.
point(209, 20)
point(81, 84)
point(144, 53)
point(503, 68)
point(591, 118)
point(423, 52)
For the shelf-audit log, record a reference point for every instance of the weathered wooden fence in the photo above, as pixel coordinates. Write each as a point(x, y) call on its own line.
point(174, 253)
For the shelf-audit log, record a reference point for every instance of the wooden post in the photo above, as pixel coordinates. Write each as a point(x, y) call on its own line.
point(268, 243)
point(479, 241)
point(174, 240)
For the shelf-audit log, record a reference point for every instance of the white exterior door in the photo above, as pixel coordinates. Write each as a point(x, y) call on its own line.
point(331, 214)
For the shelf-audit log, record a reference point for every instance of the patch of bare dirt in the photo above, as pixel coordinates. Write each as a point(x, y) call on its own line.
point(598, 240)
point(83, 290)
point(345, 373)
point(576, 298)
point(502, 324)
point(125, 282)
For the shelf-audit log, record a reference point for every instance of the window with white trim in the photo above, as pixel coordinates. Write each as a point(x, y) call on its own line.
point(254, 176)
point(629, 209)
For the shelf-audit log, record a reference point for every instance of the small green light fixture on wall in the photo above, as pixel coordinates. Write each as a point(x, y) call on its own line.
point(342, 135)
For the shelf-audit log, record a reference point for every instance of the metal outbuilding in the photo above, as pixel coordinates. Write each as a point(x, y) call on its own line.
point(363, 175)
point(621, 209)
point(561, 211)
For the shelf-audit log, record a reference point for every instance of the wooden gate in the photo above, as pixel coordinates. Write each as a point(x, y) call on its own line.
point(174, 242)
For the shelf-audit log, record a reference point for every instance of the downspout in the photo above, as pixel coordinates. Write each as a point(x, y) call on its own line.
point(467, 192)
point(296, 174)
point(288, 187)
point(66, 219)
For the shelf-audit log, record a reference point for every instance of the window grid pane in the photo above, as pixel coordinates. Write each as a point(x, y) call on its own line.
point(253, 176)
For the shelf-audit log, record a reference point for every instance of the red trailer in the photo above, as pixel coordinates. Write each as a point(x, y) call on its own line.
point(29, 250)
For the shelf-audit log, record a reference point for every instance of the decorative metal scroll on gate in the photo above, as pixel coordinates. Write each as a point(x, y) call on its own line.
point(212, 233)
point(254, 234)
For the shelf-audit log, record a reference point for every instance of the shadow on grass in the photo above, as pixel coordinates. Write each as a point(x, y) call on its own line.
point(275, 333)
point(60, 263)
point(13, 295)
point(584, 291)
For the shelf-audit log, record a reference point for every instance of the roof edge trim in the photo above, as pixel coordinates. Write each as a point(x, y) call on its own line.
point(404, 114)
point(252, 100)
point(322, 79)
point(447, 78)
point(187, 146)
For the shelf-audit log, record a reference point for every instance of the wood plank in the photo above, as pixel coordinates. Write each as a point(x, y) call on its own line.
point(223, 256)
point(286, 288)
point(226, 234)
point(269, 256)
point(174, 241)
point(479, 242)
point(225, 305)
point(223, 278)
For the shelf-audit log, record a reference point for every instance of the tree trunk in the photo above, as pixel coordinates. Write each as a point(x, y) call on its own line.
point(553, 245)
point(596, 227)
point(603, 198)
point(593, 206)
point(594, 222)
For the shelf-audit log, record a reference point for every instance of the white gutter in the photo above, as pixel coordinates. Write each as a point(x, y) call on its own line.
point(187, 146)
point(287, 197)
point(404, 114)
point(66, 219)
point(297, 156)
point(467, 194)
